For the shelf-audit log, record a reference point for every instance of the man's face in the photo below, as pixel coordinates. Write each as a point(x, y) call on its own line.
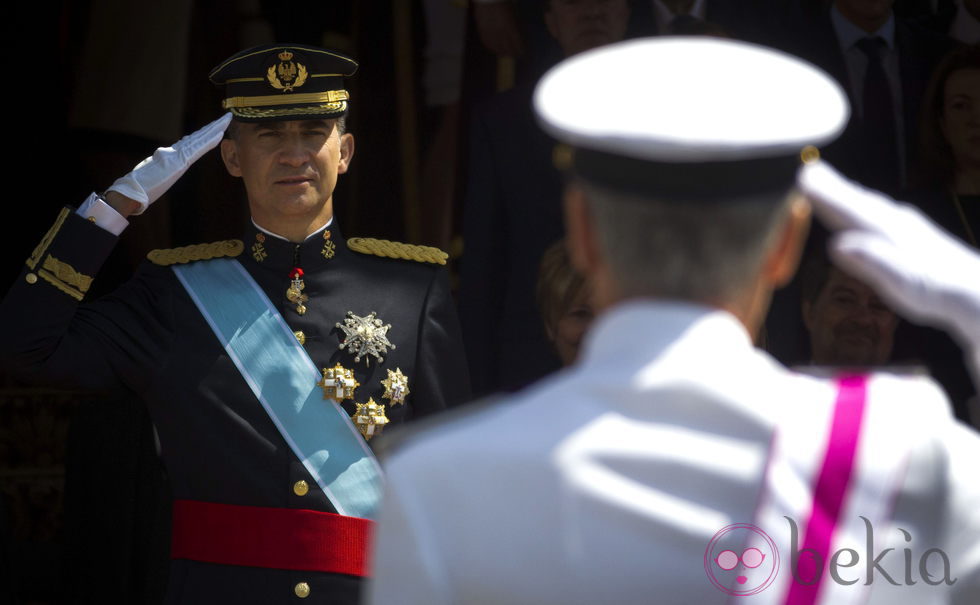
point(579, 25)
point(848, 324)
point(961, 116)
point(290, 168)
point(862, 11)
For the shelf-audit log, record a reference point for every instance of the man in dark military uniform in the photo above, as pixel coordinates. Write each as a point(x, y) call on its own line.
point(266, 363)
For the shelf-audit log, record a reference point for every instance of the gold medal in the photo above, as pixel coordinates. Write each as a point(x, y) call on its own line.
point(295, 292)
point(364, 336)
point(370, 418)
point(396, 387)
point(338, 383)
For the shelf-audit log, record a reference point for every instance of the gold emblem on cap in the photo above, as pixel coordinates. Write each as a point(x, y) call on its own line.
point(370, 418)
point(809, 154)
point(338, 383)
point(365, 336)
point(286, 75)
point(396, 387)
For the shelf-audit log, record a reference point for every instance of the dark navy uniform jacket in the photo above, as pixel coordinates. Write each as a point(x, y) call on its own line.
point(217, 442)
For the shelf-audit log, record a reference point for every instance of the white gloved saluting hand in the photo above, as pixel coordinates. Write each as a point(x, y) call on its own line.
point(151, 178)
point(923, 272)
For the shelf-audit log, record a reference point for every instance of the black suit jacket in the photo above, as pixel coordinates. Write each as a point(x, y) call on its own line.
point(149, 340)
point(919, 50)
point(511, 214)
point(752, 20)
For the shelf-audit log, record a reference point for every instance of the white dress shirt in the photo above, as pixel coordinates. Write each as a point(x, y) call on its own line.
point(664, 15)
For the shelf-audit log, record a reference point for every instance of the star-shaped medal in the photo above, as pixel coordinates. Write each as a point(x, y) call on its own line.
point(365, 336)
point(370, 418)
point(396, 387)
point(338, 383)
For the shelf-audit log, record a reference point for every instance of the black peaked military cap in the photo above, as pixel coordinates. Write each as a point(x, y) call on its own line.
point(284, 82)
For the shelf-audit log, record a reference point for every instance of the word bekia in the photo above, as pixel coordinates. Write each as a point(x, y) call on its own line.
point(808, 565)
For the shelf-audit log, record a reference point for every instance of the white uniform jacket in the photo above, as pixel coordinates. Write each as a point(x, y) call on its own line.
point(675, 463)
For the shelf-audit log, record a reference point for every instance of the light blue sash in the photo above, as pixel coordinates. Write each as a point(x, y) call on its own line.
point(283, 378)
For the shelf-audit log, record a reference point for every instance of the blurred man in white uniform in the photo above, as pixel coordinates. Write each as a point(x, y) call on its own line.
point(674, 463)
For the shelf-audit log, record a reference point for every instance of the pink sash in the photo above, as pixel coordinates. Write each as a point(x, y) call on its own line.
point(831, 488)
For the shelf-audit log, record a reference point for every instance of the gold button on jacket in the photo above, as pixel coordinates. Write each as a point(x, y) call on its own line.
point(301, 488)
point(302, 590)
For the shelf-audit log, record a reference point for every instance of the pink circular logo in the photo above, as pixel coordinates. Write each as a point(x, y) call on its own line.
point(741, 560)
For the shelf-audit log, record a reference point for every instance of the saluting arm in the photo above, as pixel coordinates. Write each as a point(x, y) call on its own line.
point(45, 335)
point(923, 272)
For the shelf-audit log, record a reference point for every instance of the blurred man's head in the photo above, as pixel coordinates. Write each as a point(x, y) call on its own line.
point(579, 25)
point(711, 252)
point(848, 323)
point(684, 171)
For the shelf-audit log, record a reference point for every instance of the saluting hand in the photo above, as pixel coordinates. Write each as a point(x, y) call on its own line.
point(152, 177)
point(922, 271)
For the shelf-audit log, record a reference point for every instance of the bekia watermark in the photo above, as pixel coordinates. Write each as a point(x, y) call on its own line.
point(741, 560)
point(753, 568)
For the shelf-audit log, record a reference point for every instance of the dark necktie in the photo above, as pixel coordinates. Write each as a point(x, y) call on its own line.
point(882, 159)
point(681, 25)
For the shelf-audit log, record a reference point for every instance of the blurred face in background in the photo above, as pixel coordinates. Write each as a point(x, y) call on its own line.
point(579, 25)
point(866, 14)
point(564, 299)
point(960, 120)
point(973, 6)
point(571, 327)
point(848, 324)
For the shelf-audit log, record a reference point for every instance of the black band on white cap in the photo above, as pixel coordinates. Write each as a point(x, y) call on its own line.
point(690, 118)
point(687, 180)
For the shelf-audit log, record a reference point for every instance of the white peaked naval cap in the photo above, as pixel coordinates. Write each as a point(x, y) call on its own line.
point(690, 116)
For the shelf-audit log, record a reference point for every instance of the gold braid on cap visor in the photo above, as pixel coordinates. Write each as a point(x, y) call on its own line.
point(306, 110)
point(328, 97)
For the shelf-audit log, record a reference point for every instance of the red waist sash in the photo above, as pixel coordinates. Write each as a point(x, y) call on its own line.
point(278, 538)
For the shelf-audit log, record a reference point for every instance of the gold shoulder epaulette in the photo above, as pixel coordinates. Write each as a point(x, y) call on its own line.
point(187, 254)
point(383, 247)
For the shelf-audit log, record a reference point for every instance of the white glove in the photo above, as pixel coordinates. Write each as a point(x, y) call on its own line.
point(923, 272)
point(153, 176)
